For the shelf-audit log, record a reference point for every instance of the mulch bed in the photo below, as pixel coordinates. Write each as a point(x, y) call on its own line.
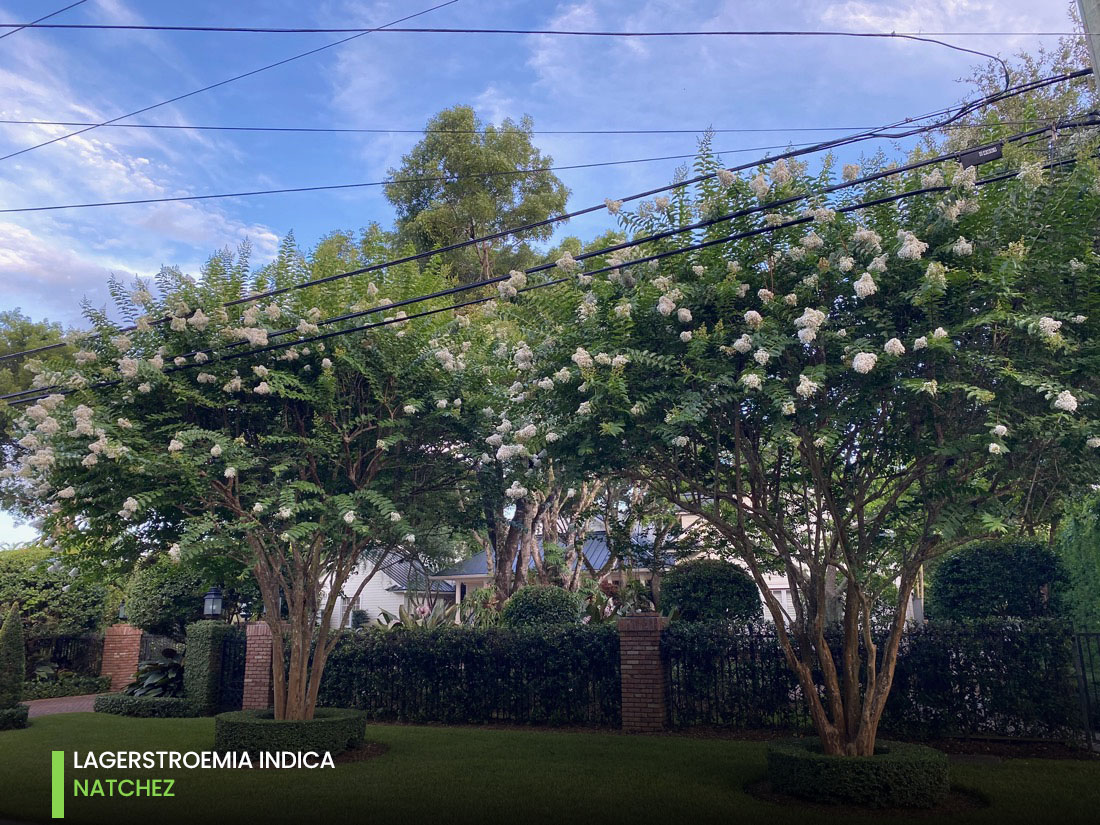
point(959, 800)
point(368, 750)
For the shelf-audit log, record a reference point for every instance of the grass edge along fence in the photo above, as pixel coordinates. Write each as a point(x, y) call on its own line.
point(558, 675)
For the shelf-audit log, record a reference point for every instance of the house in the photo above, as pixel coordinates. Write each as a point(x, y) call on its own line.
point(396, 583)
point(469, 575)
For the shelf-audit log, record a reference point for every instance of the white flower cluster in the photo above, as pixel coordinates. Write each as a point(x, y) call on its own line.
point(936, 275)
point(850, 172)
point(613, 206)
point(516, 281)
point(1031, 175)
point(865, 287)
point(524, 358)
point(1066, 402)
point(864, 362)
point(1048, 327)
point(868, 238)
point(806, 386)
point(962, 247)
point(912, 248)
point(582, 359)
point(808, 323)
point(256, 336)
point(129, 507)
point(895, 347)
point(82, 419)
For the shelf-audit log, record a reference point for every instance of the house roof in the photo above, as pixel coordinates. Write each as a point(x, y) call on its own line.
point(408, 576)
point(594, 549)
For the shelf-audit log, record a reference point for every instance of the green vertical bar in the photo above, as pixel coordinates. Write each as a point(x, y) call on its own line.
point(57, 796)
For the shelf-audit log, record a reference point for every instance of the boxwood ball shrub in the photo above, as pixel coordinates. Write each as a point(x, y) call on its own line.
point(12, 718)
point(711, 590)
point(537, 605)
point(254, 731)
point(899, 775)
point(162, 707)
point(1006, 578)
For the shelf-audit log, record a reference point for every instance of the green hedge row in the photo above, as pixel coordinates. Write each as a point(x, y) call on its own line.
point(551, 675)
point(254, 731)
point(899, 775)
point(75, 685)
point(145, 706)
point(204, 668)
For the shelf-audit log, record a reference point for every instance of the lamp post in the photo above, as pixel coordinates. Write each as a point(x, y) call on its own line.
point(212, 603)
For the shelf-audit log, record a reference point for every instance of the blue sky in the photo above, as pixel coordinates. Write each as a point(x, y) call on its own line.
point(48, 261)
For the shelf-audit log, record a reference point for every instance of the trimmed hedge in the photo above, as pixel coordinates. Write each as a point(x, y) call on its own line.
point(75, 685)
point(13, 661)
point(562, 675)
point(13, 718)
point(538, 605)
point(899, 775)
point(162, 707)
point(202, 672)
point(255, 731)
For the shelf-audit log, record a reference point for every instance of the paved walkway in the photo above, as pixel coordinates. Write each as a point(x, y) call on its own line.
point(63, 704)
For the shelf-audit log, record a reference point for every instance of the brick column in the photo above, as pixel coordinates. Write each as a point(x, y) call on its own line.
point(121, 651)
point(257, 667)
point(643, 673)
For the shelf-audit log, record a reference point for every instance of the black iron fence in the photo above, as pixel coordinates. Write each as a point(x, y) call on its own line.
point(82, 655)
point(231, 687)
point(1087, 661)
point(999, 678)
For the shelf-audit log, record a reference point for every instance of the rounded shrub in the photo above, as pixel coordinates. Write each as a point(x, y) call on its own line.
point(13, 718)
point(255, 731)
point(899, 775)
point(165, 597)
point(537, 605)
point(1006, 578)
point(711, 590)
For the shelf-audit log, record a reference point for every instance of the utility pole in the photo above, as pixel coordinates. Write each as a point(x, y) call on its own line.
point(1090, 19)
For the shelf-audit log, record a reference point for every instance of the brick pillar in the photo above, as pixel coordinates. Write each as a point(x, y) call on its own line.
point(257, 667)
point(121, 651)
point(643, 673)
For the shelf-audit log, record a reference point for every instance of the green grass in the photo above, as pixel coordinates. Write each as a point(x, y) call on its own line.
point(459, 775)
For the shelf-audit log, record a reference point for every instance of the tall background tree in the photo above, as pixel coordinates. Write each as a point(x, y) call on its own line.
point(466, 179)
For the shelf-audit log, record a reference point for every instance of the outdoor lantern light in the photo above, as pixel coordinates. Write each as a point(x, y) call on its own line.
point(122, 611)
point(212, 603)
point(246, 612)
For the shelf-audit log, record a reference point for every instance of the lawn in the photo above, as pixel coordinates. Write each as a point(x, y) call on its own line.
point(438, 774)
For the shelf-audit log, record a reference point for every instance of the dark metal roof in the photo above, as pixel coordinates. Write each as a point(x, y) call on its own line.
point(594, 549)
point(408, 576)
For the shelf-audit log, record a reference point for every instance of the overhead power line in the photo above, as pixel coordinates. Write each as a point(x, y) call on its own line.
point(571, 32)
point(324, 336)
point(419, 256)
point(914, 36)
point(438, 179)
point(367, 131)
point(34, 23)
point(177, 98)
point(668, 233)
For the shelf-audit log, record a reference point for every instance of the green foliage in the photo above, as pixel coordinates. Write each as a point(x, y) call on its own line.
point(203, 671)
point(433, 211)
point(66, 684)
point(165, 597)
point(13, 663)
point(158, 678)
point(539, 605)
point(1078, 546)
point(54, 598)
point(18, 333)
point(711, 590)
point(1022, 578)
point(555, 675)
point(422, 617)
point(899, 775)
point(13, 718)
point(256, 731)
point(153, 707)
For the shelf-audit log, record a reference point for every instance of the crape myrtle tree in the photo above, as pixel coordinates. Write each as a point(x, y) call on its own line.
point(858, 393)
point(302, 462)
point(526, 511)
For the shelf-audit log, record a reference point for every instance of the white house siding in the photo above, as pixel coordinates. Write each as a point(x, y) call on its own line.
point(374, 598)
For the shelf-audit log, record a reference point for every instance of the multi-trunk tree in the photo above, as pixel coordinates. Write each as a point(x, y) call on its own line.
point(850, 394)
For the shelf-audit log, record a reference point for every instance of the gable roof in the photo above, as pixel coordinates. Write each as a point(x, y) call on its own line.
point(408, 576)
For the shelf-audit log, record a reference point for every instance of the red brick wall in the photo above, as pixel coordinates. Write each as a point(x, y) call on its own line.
point(121, 650)
point(257, 667)
point(643, 674)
